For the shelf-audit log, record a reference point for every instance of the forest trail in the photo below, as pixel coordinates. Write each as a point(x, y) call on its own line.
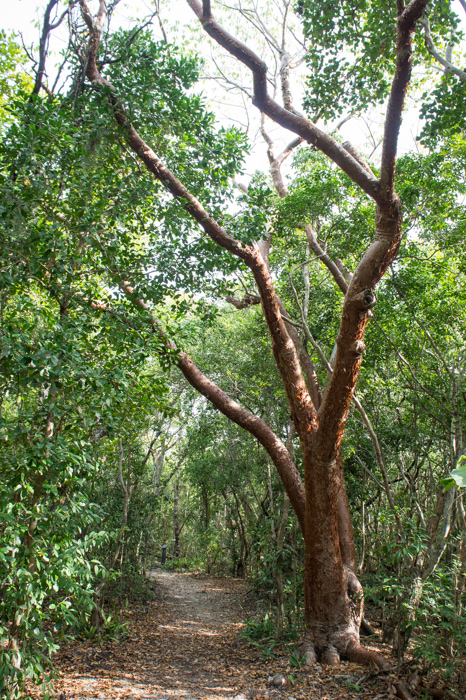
point(187, 644)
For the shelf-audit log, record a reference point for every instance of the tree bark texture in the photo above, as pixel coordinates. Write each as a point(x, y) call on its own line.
point(333, 595)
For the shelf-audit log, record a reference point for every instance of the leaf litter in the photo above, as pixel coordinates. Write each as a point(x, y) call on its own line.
point(187, 644)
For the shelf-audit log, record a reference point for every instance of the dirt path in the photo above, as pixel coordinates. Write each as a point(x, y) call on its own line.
point(187, 644)
point(199, 635)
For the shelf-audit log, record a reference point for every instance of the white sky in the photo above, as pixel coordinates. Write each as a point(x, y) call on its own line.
point(26, 16)
point(23, 15)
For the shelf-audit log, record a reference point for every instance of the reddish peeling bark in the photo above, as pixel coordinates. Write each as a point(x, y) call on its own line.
point(333, 595)
point(278, 452)
point(306, 363)
point(254, 425)
point(345, 526)
point(289, 120)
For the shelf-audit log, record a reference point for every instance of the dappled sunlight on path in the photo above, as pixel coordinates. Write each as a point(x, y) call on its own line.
point(186, 644)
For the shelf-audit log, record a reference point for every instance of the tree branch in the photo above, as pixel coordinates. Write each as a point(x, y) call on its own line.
point(46, 29)
point(289, 120)
point(433, 51)
point(405, 26)
point(302, 409)
point(326, 259)
point(253, 424)
point(360, 296)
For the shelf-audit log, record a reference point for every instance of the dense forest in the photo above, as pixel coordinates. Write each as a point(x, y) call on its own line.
point(229, 334)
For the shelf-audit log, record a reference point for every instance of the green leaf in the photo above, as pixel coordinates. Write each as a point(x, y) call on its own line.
point(459, 476)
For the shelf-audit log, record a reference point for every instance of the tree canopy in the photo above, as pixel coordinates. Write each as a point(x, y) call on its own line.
point(267, 370)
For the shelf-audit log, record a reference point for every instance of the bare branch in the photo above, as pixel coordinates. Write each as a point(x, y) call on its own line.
point(47, 28)
point(285, 18)
point(299, 125)
point(231, 82)
point(433, 51)
point(326, 259)
point(259, 25)
point(247, 300)
point(241, 186)
point(289, 149)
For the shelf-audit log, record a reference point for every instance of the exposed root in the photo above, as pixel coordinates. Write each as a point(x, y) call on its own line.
point(310, 657)
point(367, 629)
point(402, 691)
point(308, 653)
point(330, 656)
point(357, 653)
point(340, 648)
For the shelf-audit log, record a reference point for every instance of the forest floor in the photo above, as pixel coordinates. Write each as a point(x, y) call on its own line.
point(186, 643)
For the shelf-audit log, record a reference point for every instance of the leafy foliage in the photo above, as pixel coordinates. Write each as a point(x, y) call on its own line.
point(443, 109)
point(352, 60)
point(77, 218)
point(13, 79)
point(106, 454)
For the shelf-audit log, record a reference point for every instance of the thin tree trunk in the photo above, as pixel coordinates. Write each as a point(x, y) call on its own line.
point(279, 564)
point(124, 515)
point(96, 618)
point(332, 592)
point(244, 545)
point(176, 525)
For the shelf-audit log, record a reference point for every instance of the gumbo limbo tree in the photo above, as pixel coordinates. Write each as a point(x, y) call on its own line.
point(333, 594)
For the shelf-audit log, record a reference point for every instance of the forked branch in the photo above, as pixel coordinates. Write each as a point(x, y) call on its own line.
point(47, 27)
point(289, 120)
point(448, 65)
point(302, 409)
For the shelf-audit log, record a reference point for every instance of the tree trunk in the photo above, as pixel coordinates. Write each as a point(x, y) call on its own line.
point(279, 564)
point(176, 524)
point(333, 595)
